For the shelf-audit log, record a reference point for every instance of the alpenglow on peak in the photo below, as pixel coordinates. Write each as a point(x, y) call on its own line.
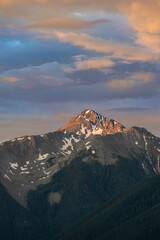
point(89, 122)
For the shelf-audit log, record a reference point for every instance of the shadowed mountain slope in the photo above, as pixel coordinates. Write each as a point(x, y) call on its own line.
point(133, 215)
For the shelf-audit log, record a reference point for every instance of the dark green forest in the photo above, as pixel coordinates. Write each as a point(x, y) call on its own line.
point(133, 215)
point(83, 188)
point(17, 223)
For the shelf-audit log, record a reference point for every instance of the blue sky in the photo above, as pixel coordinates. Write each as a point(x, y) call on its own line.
point(59, 57)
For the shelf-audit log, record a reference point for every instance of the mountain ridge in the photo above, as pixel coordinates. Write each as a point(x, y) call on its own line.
point(33, 160)
point(61, 176)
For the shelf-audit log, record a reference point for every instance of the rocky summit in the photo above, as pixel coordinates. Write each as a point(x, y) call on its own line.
point(89, 122)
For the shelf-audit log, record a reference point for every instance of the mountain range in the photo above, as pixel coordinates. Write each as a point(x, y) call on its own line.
point(56, 179)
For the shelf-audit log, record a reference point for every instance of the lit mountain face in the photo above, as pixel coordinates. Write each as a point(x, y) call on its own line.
point(89, 122)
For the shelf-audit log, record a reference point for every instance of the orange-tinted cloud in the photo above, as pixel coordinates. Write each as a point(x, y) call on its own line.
point(130, 7)
point(114, 49)
point(66, 23)
point(143, 77)
point(94, 63)
point(151, 41)
point(144, 16)
point(10, 79)
point(138, 78)
point(119, 84)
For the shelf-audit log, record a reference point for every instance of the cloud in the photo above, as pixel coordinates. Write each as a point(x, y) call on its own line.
point(49, 74)
point(94, 63)
point(138, 78)
point(120, 84)
point(10, 79)
point(151, 41)
point(5, 26)
point(66, 23)
point(68, 6)
point(127, 109)
point(112, 48)
point(143, 77)
point(144, 16)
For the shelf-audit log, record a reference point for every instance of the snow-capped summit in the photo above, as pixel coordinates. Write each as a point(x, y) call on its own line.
point(90, 122)
point(91, 115)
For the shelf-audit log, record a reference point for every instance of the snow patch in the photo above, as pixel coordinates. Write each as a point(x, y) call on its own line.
point(24, 172)
point(99, 117)
point(42, 157)
point(97, 131)
point(63, 153)
point(114, 122)
point(7, 177)
point(78, 133)
point(93, 131)
point(14, 165)
point(23, 169)
point(83, 129)
point(20, 139)
point(145, 168)
point(11, 172)
point(68, 144)
point(88, 147)
point(87, 111)
point(158, 149)
point(1, 143)
point(145, 142)
point(76, 139)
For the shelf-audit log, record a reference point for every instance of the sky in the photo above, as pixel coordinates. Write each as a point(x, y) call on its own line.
point(59, 57)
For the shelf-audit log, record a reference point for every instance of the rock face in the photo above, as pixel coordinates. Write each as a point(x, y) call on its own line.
point(89, 122)
point(29, 161)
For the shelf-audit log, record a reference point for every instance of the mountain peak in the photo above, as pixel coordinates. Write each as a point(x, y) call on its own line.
point(92, 116)
point(89, 122)
point(89, 113)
